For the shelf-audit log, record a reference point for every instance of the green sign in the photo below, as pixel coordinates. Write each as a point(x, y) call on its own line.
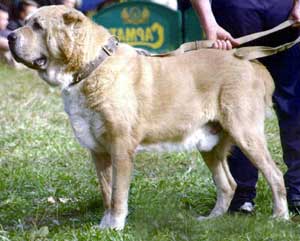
point(143, 24)
point(192, 30)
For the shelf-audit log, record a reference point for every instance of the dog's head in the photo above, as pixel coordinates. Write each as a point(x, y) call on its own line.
point(57, 41)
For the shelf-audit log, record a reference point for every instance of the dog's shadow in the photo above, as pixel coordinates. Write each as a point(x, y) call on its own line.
point(154, 214)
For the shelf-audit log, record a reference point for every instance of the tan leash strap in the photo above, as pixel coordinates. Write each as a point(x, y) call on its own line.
point(186, 47)
point(253, 36)
point(255, 52)
point(190, 46)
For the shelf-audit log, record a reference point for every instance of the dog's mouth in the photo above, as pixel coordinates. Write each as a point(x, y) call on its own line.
point(40, 63)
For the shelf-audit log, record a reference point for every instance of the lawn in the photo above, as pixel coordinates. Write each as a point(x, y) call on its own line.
point(49, 189)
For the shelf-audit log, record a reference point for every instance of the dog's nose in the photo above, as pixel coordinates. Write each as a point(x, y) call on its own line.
point(12, 37)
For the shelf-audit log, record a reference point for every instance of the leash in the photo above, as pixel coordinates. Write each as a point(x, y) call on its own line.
point(248, 53)
point(255, 52)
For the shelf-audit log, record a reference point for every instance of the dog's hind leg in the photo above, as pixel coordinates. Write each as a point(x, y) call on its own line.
point(249, 137)
point(254, 147)
point(217, 163)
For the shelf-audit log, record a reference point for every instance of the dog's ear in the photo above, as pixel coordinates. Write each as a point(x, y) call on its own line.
point(73, 17)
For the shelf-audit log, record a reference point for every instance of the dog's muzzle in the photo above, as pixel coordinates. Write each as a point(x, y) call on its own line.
point(39, 63)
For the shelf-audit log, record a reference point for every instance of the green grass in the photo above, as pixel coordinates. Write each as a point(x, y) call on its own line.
point(40, 159)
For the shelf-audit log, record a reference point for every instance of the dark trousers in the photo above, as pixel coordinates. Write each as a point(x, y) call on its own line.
point(241, 17)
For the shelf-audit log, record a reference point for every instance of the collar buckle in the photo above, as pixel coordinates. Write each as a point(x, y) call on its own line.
point(107, 50)
point(111, 46)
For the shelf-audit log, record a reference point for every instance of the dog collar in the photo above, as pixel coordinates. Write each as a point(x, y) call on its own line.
point(106, 51)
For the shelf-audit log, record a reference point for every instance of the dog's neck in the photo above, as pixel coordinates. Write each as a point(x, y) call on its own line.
point(106, 51)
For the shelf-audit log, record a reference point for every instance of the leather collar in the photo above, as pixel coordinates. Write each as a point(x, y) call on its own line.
point(106, 51)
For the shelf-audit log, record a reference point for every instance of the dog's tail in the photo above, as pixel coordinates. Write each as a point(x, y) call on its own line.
point(265, 76)
point(269, 88)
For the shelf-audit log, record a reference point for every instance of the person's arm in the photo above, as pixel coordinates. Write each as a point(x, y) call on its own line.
point(212, 29)
point(295, 13)
point(3, 44)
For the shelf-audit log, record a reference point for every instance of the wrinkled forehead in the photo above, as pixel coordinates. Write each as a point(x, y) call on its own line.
point(48, 13)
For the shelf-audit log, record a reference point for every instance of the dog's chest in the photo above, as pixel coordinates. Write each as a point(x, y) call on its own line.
point(87, 125)
point(88, 128)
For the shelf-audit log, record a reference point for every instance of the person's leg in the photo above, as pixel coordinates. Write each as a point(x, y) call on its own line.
point(290, 141)
point(241, 18)
point(239, 21)
point(285, 69)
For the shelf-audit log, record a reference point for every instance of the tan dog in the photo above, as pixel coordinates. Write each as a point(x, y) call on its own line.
point(122, 102)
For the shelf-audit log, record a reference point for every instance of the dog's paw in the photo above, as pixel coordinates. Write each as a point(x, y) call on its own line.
point(203, 218)
point(210, 216)
point(112, 221)
point(282, 216)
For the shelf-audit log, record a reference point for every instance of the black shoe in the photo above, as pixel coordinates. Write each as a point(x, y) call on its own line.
point(294, 207)
point(246, 208)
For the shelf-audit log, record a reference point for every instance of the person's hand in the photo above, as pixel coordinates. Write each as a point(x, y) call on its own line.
point(295, 13)
point(224, 40)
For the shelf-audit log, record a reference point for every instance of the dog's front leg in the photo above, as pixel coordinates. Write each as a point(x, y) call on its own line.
point(121, 175)
point(103, 166)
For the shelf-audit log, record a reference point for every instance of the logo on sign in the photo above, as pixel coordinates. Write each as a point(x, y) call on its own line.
point(135, 15)
point(152, 36)
point(148, 34)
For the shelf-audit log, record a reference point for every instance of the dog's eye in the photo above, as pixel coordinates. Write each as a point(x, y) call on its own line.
point(37, 26)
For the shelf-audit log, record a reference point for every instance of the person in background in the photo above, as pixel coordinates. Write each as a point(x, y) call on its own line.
point(69, 3)
point(184, 4)
point(46, 2)
point(168, 3)
point(24, 9)
point(5, 54)
point(172, 4)
point(4, 32)
point(225, 20)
